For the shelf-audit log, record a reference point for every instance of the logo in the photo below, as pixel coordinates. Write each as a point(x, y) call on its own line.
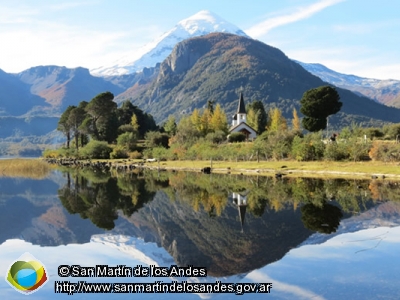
point(26, 275)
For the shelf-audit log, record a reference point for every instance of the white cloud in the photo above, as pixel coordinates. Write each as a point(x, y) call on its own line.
point(51, 43)
point(264, 27)
point(31, 37)
point(58, 46)
point(12, 15)
point(69, 5)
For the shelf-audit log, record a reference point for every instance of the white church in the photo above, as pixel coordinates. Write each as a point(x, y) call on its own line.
point(239, 122)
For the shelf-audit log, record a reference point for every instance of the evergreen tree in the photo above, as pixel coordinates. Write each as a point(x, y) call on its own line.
point(64, 125)
point(100, 108)
point(170, 126)
point(125, 112)
point(75, 119)
point(108, 128)
point(317, 104)
point(210, 106)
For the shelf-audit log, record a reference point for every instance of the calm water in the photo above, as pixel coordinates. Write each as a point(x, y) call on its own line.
point(310, 238)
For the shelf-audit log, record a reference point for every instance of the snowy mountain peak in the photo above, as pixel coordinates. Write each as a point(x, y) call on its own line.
point(206, 22)
point(201, 23)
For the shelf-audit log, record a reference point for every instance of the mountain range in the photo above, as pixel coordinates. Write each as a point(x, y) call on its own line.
point(202, 58)
point(383, 91)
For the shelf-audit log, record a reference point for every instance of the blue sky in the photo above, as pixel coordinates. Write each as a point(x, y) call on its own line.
point(359, 37)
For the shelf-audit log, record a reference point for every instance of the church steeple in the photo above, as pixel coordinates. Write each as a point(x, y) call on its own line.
point(241, 107)
point(240, 116)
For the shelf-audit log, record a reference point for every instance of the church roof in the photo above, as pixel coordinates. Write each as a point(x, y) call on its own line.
point(243, 123)
point(241, 107)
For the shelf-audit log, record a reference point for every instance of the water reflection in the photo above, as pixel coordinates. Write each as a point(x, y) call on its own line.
point(99, 197)
point(232, 225)
point(324, 218)
point(229, 224)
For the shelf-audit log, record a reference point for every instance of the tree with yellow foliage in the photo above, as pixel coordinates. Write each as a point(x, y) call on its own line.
point(296, 125)
point(205, 126)
point(134, 122)
point(277, 121)
point(195, 118)
point(257, 118)
point(252, 117)
point(218, 120)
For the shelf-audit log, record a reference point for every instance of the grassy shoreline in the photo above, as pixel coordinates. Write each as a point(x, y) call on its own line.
point(39, 169)
point(291, 168)
point(26, 168)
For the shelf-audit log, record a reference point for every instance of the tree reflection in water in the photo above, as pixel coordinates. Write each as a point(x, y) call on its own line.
point(200, 219)
point(99, 196)
point(324, 219)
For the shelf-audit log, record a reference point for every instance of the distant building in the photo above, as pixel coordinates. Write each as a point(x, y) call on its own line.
point(239, 121)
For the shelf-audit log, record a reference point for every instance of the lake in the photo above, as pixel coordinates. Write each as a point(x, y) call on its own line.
point(287, 238)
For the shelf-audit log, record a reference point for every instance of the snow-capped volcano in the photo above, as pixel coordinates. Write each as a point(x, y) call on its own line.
point(204, 22)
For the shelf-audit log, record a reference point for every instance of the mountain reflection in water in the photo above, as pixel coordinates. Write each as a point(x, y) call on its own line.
point(229, 224)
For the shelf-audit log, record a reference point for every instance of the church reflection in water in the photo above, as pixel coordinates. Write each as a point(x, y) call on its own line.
point(240, 199)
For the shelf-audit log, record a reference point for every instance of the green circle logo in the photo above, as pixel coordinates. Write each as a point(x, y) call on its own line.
point(26, 274)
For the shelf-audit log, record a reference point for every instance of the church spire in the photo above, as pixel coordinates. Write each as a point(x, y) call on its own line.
point(241, 106)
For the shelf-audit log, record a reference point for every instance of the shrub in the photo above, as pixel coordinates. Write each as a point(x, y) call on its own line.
point(335, 151)
point(156, 139)
point(159, 153)
point(384, 152)
point(51, 153)
point(236, 137)
point(216, 137)
point(135, 155)
point(127, 128)
point(178, 152)
point(301, 150)
point(308, 148)
point(127, 140)
point(372, 133)
point(358, 150)
point(392, 131)
point(119, 152)
point(96, 149)
point(58, 153)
